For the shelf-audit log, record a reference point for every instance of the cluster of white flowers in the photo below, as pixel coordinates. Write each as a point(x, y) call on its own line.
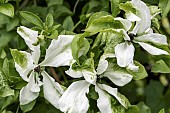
point(59, 53)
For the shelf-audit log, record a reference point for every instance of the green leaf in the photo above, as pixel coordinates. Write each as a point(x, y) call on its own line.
point(19, 58)
point(10, 99)
point(127, 7)
point(7, 9)
point(53, 35)
point(140, 74)
point(31, 17)
point(5, 90)
point(79, 45)
point(68, 23)
point(162, 111)
point(160, 67)
point(165, 7)
point(3, 1)
point(96, 16)
point(154, 97)
point(133, 109)
point(6, 37)
point(12, 24)
point(143, 108)
point(49, 20)
point(28, 107)
point(104, 23)
point(6, 67)
point(115, 7)
point(2, 53)
point(155, 23)
point(54, 2)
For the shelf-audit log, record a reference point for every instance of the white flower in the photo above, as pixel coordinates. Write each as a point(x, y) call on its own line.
point(141, 34)
point(74, 99)
point(57, 54)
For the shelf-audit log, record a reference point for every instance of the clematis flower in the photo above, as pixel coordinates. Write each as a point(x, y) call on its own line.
point(29, 68)
point(74, 99)
point(141, 34)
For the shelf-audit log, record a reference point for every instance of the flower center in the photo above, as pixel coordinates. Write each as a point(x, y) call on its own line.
point(131, 35)
point(37, 69)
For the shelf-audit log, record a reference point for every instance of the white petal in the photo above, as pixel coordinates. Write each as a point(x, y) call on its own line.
point(132, 17)
point(34, 82)
point(118, 77)
point(114, 92)
point(74, 73)
point(154, 38)
point(24, 71)
point(90, 76)
point(126, 23)
point(144, 14)
point(30, 37)
point(103, 102)
point(74, 99)
point(27, 96)
point(124, 53)
point(59, 52)
point(133, 67)
point(103, 63)
point(52, 90)
point(152, 50)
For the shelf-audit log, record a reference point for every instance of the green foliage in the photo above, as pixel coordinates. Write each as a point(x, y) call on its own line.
point(34, 19)
point(95, 30)
point(7, 9)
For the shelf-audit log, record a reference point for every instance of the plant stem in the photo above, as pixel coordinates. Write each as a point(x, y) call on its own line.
point(76, 25)
point(55, 75)
point(74, 10)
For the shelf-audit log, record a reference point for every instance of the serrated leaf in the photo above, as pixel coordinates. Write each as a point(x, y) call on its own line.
point(49, 20)
point(140, 74)
point(68, 23)
point(7, 9)
point(160, 67)
point(31, 17)
point(19, 58)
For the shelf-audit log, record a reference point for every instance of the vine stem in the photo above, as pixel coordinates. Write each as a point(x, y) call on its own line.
point(76, 25)
point(55, 75)
point(74, 10)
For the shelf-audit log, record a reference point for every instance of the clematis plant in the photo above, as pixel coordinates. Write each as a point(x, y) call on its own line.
point(74, 99)
point(29, 68)
point(141, 34)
